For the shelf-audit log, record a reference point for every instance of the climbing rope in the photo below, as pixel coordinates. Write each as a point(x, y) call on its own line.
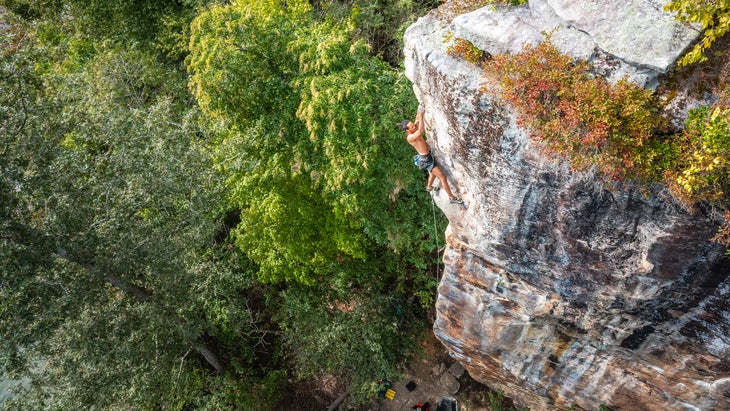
point(436, 236)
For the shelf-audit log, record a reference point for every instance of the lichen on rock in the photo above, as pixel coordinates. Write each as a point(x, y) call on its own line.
point(636, 38)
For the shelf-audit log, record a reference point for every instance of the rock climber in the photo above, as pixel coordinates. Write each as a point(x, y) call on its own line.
point(424, 160)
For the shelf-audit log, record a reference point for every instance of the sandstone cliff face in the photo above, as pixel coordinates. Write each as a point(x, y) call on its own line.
point(558, 289)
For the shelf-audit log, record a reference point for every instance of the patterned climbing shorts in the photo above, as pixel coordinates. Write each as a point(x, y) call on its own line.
point(424, 162)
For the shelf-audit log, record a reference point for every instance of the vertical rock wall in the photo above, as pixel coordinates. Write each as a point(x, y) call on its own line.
point(558, 289)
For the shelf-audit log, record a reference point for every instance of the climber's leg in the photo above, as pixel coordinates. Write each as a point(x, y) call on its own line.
point(429, 184)
point(437, 173)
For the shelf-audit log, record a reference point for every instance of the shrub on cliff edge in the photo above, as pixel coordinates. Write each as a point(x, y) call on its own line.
point(465, 49)
point(714, 16)
point(702, 170)
point(581, 116)
point(617, 127)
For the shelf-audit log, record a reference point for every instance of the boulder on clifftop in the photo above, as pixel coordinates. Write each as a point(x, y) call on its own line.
point(621, 37)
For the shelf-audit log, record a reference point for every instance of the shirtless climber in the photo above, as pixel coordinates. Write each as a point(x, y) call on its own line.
point(424, 159)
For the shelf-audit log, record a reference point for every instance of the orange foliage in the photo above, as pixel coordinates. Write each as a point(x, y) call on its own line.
point(579, 115)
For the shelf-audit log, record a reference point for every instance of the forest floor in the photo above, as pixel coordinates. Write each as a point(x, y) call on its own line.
point(432, 377)
point(435, 375)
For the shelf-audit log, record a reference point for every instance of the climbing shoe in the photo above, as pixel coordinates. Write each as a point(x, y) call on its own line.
point(434, 189)
point(457, 200)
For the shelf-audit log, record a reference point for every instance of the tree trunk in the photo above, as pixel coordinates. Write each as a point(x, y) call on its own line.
point(209, 356)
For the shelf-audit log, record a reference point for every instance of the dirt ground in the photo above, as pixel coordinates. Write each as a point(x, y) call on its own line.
point(433, 376)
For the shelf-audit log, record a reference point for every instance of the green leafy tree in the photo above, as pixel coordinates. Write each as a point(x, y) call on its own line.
point(162, 25)
point(357, 336)
point(120, 286)
point(330, 207)
point(308, 144)
point(379, 23)
point(114, 292)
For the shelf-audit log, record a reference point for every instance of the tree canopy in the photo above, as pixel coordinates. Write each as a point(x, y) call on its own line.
point(204, 234)
point(318, 176)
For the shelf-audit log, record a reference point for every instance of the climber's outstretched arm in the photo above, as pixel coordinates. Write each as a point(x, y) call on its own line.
point(420, 122)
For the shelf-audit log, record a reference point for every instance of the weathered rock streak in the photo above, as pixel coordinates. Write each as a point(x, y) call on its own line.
point(558, 289)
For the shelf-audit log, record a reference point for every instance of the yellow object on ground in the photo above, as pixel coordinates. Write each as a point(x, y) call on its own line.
point(390, 394)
